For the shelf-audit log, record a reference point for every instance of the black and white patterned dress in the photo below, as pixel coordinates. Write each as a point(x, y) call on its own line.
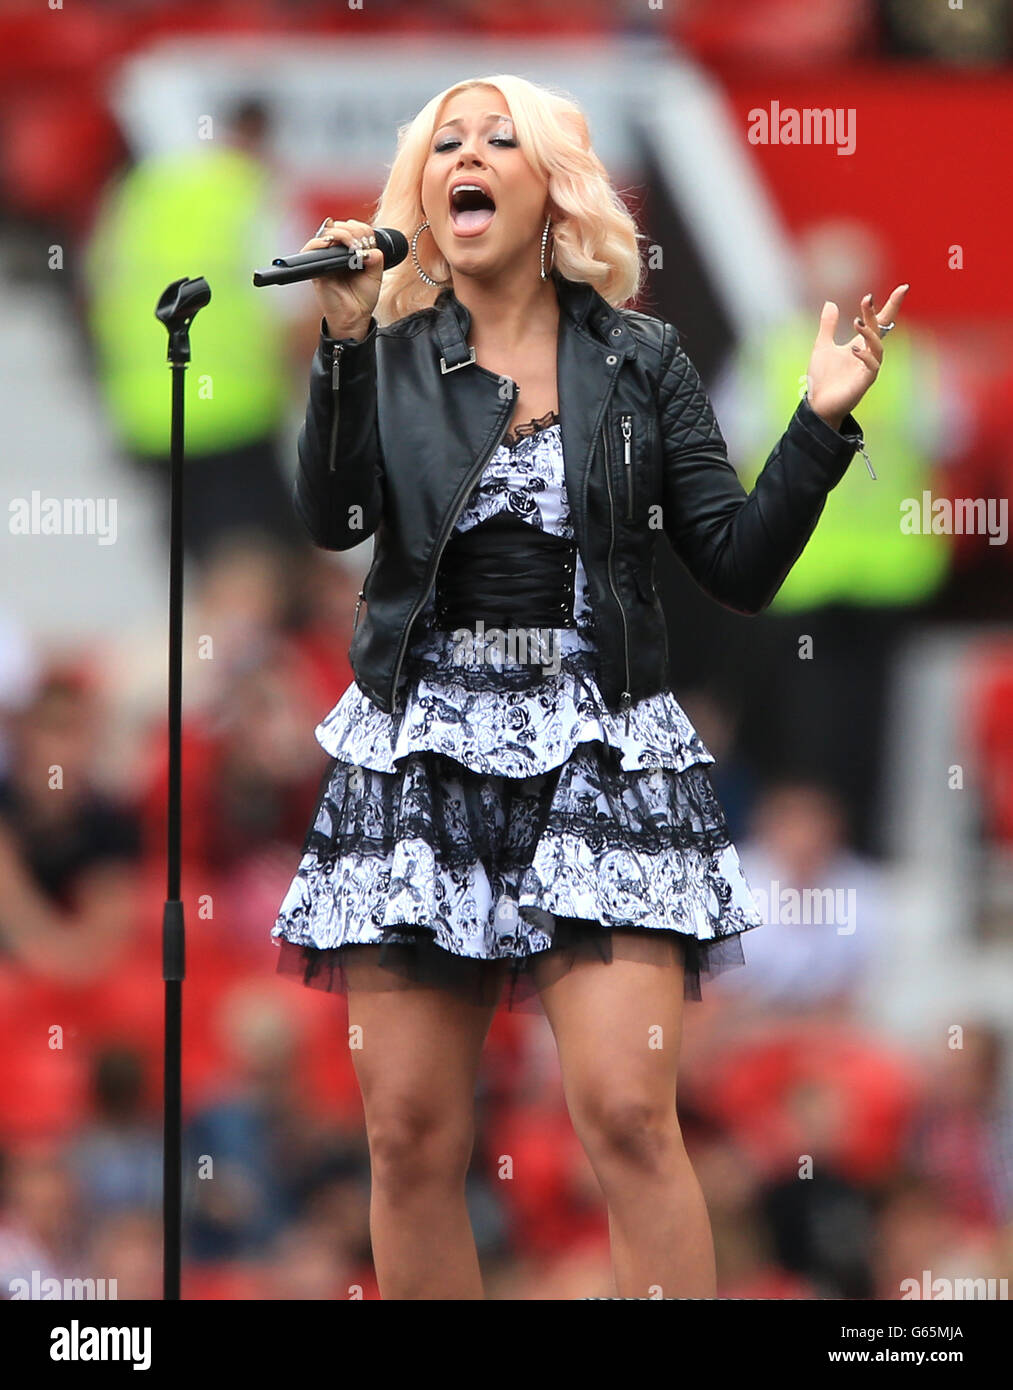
point(506, 824)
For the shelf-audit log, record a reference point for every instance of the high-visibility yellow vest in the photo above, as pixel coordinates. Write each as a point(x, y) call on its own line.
point(171, 216)
point(858, 552)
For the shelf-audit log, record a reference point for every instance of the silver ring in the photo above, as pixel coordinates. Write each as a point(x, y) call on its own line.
point(322, 228)
point(885, 328)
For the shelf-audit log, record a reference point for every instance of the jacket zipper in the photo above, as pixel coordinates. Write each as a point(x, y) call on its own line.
point(331, 459)
point(859, 443)
point(627, 424)
point(461, 498)
point(335, 387)
point(625, 699)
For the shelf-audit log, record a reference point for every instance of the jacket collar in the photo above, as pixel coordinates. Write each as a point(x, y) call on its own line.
point(580, 304)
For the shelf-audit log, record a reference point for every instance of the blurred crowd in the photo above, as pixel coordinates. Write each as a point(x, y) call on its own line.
point(911, 1150)
point(910, 1146)
point(60, 139)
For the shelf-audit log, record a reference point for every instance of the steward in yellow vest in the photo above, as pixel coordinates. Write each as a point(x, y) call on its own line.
point(858, 553)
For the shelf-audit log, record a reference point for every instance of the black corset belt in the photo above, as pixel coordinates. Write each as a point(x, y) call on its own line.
point(505, 573)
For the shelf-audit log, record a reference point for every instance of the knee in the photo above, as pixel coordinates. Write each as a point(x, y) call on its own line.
point(412, 1146)
point(631, 1130)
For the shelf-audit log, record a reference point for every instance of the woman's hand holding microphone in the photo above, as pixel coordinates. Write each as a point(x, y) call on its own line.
point(348, 297)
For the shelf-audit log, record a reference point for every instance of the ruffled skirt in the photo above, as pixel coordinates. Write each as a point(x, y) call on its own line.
point(492, 887)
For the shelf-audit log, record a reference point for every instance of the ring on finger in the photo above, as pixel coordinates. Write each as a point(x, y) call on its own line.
point(885, 328)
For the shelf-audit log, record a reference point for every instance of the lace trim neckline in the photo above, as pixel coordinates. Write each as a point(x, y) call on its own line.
point(525, 430)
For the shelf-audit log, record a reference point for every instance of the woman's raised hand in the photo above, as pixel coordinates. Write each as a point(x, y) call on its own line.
point(348, 297)
point(840, 376)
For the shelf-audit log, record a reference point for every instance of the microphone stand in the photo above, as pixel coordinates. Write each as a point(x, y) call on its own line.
point(177, 308)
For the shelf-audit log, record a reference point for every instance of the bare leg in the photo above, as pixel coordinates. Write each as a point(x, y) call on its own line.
point(618, 1028)
point(416, 1054)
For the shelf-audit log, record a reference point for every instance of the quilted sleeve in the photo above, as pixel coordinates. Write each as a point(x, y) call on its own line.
point(338, 489)
point(739, 547)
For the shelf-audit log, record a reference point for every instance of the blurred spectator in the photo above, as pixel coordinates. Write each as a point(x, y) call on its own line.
point(68, 854)
point(825, 907)
point(117, 1157)
point(251, 765)
point(204, 211)
point(784, 1090)
point(257, 1160)
point(978, 32)
point(59, 140)
point(920, 1235)
point(41, 1226)
point(961, 1139)
point(331, 1194)
point(236, 608)
point(822, 1220)
point(747, 1261)
point(127, 1247)
point(912, 422)
point(305, 1265)
point(251, 777)
point(861, 578)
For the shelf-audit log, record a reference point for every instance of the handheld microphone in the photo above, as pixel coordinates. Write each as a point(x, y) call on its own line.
point(307, 265)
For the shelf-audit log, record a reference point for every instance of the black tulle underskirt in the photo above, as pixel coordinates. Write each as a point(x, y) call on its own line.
point(516, 984)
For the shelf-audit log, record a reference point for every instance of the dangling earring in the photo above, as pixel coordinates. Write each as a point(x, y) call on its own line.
point(436, 284)
point(545, 238)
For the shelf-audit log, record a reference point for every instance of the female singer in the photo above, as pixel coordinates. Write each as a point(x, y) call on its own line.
point(515, 795)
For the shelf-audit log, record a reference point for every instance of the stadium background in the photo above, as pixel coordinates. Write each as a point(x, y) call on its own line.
point(881, 766)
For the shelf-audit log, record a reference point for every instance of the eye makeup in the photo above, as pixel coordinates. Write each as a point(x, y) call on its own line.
point(506, 141)
point(504, 137)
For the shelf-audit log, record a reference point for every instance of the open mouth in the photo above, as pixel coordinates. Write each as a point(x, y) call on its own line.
point(471, 208)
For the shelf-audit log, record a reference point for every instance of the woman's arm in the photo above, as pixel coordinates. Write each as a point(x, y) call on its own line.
point(739, 546)
point(76, 945)
point(338, 491)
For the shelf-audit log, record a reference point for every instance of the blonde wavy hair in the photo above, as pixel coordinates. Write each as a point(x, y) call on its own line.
point(595, 236)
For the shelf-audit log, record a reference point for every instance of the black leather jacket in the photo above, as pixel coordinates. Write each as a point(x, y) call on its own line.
point(400, 426)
